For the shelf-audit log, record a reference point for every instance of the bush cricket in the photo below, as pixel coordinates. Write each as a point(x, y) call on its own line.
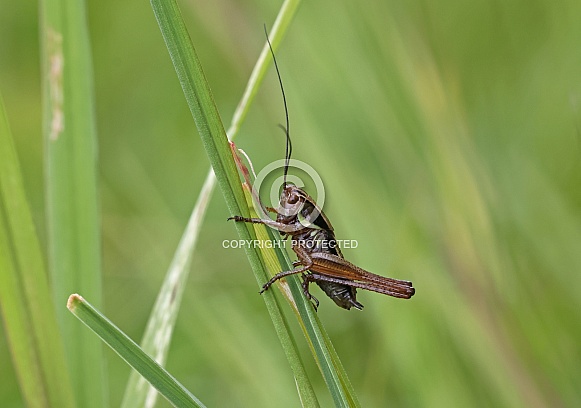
point(313, 240)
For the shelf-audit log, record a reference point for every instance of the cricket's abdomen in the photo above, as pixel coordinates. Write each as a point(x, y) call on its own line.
point(344, 296)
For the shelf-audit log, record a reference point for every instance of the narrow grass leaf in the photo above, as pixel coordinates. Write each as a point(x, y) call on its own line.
point(71, 184)
point(25, 299)
point(129, 351)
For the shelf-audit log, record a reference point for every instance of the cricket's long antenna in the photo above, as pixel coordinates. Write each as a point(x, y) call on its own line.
point(289, 147)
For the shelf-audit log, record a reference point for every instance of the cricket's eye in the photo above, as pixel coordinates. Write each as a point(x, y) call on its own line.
point(293, 199)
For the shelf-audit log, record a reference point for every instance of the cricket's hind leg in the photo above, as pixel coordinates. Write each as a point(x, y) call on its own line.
point(283, 274)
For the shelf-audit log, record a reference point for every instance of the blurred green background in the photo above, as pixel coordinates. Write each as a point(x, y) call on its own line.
point(448, 138)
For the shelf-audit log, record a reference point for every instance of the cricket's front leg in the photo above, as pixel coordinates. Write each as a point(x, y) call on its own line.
point(239, 218)
point(288, 228)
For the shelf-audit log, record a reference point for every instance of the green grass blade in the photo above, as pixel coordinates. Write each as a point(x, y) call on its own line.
point(327, 358)
point(71, 184)
point(129, 351)
point(25, 300)
point(200, 101)
point(163, 316)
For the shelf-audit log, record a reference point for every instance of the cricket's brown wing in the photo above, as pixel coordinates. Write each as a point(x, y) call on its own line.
point(349, 274)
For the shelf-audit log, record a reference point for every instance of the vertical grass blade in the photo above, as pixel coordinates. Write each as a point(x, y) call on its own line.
point(71, 190)
point(25, 300)
point(162, 319)
point(209, 124)
point(129, 351)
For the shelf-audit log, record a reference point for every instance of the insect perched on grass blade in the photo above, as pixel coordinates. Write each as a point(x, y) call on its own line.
point(313, 240)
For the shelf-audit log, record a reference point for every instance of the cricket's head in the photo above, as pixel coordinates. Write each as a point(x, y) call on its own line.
point(292, 200)
point(296, 206)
